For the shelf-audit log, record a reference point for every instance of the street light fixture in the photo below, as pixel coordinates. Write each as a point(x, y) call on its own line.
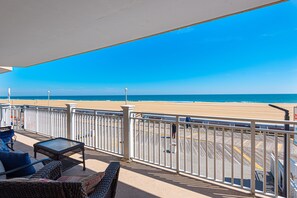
point(8, 93)
point(287, 128)
point(126, 95)
point(48, 98)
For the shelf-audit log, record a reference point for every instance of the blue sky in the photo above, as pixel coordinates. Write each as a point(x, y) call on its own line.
point(253, 52)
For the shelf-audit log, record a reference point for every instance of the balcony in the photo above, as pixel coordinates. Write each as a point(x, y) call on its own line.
point(136, 179)
point(170, 151)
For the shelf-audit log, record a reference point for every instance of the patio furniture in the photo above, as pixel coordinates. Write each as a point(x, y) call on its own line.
point(8, 136)
point(46, 168)
point(61, 149)
point(34, 188)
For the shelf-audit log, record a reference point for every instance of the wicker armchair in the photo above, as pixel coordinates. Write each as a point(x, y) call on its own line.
point(33, 189)
point(8, 136)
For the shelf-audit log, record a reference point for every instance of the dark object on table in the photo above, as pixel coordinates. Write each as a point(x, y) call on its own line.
point(7, 136)
point(35, 189)
point(61, 149)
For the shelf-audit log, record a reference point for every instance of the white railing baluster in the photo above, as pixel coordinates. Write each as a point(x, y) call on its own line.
point(185, 149)
point(232, 156)
point(223, 155)
point(154, 142)
point(241, 159)
point(199, 154)
point(170, 146)
point(165, 144)
point(214, 155)
point(253, 156)
point(206, 152)
point(191, 148)
point(288, 176)
point(264, 162)
point(160, 140)
point(148, 141)
point(276, 164)
point(114, 135)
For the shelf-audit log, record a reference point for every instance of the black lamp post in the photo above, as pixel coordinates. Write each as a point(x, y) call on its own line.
point(287, 128)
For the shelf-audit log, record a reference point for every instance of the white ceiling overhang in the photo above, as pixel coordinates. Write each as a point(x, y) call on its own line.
point(5, 69)
point(37, 31)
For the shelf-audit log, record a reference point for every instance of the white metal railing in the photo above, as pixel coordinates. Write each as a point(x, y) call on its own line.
point(47, 121)
point(5, 115)
point(102, 130)
point(17, 117)
point(230, 151)
point(235, 153)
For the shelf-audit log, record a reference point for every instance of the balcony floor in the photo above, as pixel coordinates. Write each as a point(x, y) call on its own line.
point(136, 180)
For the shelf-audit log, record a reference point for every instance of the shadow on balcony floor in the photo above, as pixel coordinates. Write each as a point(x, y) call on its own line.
point(137, 180)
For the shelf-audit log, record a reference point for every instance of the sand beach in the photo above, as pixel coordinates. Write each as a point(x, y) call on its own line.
point(227, 109)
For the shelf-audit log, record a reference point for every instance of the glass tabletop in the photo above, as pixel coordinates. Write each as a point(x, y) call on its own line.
point(59, 144)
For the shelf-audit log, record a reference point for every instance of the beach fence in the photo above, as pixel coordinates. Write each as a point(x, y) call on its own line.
point(227, 151)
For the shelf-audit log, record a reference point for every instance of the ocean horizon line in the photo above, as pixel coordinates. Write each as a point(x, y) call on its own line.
point(241, 98)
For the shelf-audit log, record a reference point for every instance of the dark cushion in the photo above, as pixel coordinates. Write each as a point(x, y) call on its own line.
point(6, 135)
point(3, 146)
point(14, 160)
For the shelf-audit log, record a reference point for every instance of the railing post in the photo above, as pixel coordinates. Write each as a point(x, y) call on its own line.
point(288, 168)
point(95, 131)
point(128, 131)
point(37, 119)
point(25, 117)
point(177, 144)
point(70, 120)
point(253, 156)
point(51, 121)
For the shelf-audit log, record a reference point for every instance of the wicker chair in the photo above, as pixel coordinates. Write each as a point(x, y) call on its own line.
point(8, 136)
point(33, 189)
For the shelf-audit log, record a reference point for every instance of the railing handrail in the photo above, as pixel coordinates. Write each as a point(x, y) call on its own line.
point(223, 118)
point(97, 110)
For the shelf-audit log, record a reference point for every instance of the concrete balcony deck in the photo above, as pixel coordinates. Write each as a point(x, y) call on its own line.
point(136, 180)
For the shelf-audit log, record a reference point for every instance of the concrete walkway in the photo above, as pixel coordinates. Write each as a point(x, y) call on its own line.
point(136, 180)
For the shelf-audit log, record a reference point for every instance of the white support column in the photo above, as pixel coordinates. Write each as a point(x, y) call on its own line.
point(128, 131)
point(70, 120)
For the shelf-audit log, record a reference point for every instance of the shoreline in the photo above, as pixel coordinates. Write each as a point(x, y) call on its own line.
point(214, 109)
point(151, 101)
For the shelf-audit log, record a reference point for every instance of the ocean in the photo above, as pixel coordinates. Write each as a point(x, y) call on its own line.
point(244, 98)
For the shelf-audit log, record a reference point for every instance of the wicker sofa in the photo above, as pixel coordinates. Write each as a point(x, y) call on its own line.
point(53, 170)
